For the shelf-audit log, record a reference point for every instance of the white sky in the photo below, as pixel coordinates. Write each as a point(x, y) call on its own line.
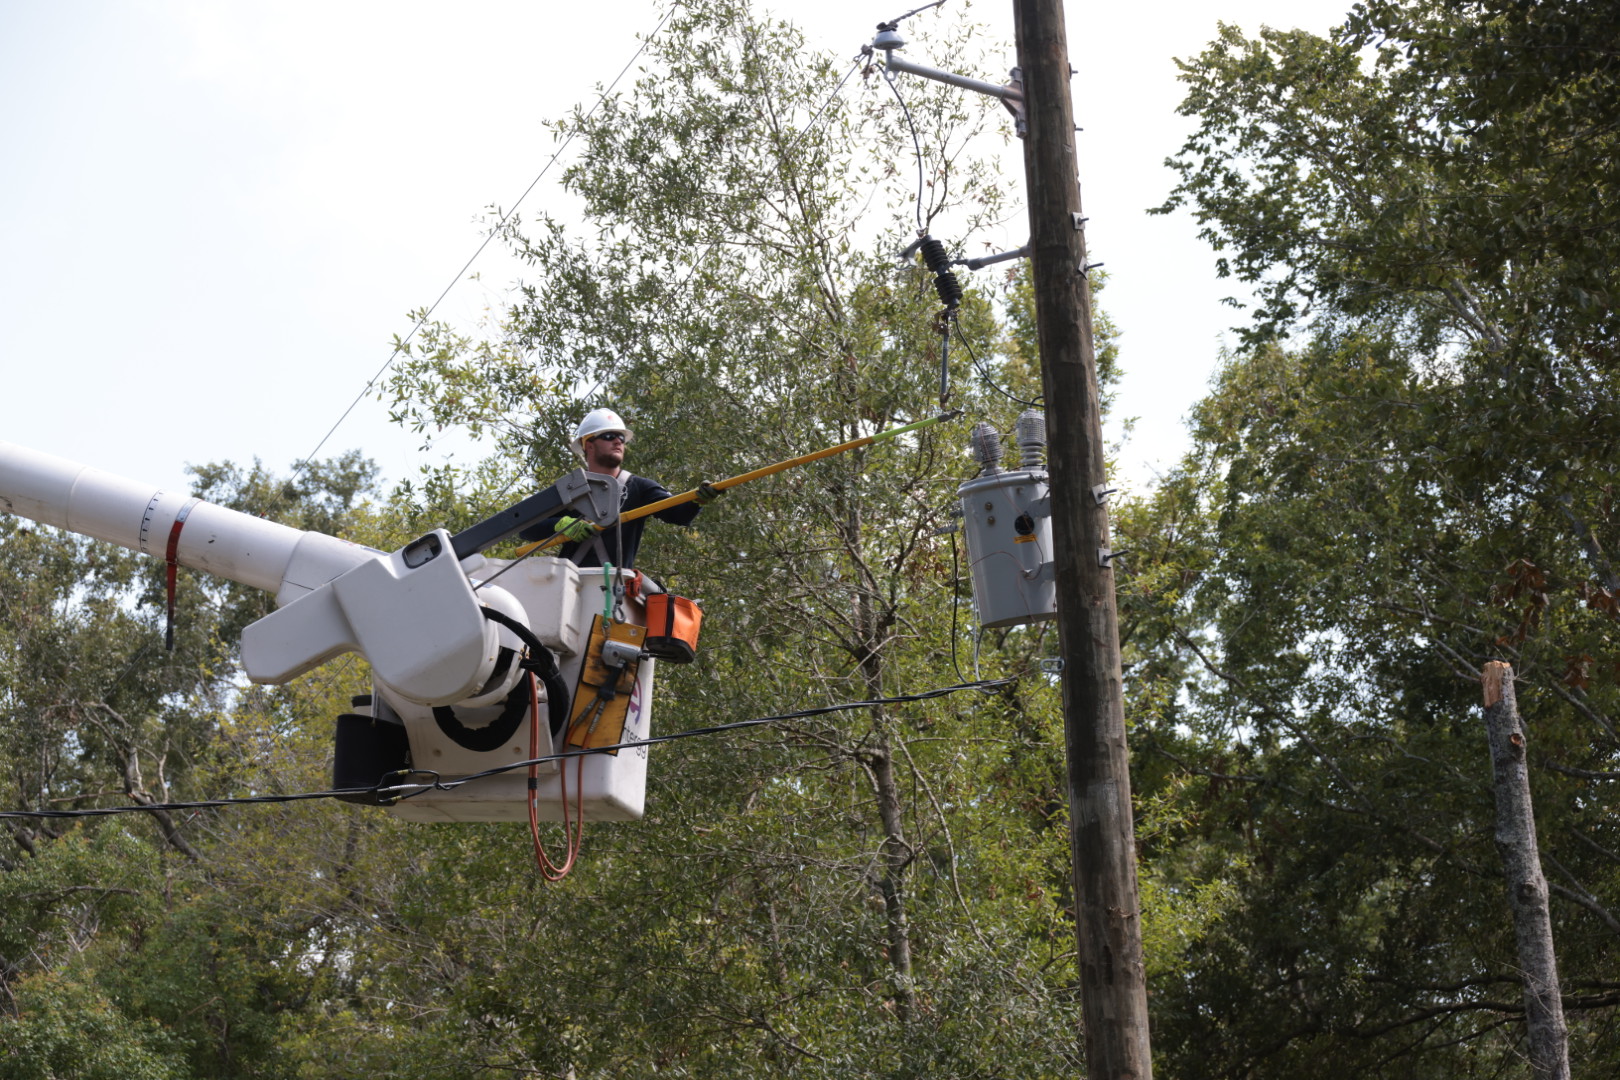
point(214, 216)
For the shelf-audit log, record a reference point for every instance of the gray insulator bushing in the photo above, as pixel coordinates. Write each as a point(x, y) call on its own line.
point(1031, 436)
point(986, 444)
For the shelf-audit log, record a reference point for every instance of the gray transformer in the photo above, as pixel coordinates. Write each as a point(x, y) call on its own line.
point(1007, 523)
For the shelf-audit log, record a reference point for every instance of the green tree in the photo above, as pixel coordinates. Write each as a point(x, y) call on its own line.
point(160, 944)
point(65, 1029)
point(877, 892)
point(871, 893)
point(1423, 485)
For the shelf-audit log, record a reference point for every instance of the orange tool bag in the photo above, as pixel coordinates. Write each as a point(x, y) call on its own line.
point(672, 627)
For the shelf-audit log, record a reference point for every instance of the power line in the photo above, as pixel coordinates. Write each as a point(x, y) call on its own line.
point(493, 233)
point(984, 373)
point(410, 790)
point(916, 142)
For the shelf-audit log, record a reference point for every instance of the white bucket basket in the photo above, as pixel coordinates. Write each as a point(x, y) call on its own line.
point(562, 603)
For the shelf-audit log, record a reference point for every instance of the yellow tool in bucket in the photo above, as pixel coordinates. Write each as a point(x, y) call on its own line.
point(603, 695)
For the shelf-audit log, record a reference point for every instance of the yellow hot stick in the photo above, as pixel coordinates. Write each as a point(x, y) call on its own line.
point(768, 470)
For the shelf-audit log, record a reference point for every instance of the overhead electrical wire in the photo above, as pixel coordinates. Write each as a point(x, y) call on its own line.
point(933, 251)
point(493, 232)
point(409, 790)
point(816, 116)
point(888, 77)
point(916, 143)
point(896, 21)
point(984, 374)
point(740, 725)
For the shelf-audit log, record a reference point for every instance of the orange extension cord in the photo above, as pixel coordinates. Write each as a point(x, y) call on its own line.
point(573, 831)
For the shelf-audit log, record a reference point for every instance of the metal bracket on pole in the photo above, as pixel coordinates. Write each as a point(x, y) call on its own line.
point(1106, 556)
point(888, 40)
point(987, 260)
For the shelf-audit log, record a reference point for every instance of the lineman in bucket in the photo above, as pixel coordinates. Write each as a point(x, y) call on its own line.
point(599, 442)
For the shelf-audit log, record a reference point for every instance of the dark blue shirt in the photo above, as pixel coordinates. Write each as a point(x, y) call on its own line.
point(634, 493)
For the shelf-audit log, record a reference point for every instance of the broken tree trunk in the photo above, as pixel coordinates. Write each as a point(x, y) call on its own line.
point(1526, 886)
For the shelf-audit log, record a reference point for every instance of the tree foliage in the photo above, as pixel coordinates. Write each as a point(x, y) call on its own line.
point(159, 945)
point(1422, 482)
point(878, 892)
point(1406, 470)
point(844, 903)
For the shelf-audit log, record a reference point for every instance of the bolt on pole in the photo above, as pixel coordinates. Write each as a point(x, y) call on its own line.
point(1113, 985)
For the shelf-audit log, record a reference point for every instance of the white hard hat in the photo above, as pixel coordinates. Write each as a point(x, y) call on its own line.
point(597, 421)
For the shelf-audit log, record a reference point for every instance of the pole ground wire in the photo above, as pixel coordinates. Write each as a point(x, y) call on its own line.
point(409, 790)
point(984, 373)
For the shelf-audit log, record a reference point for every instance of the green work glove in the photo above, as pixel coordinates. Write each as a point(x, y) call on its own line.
point(707, 493)
point(576, 529)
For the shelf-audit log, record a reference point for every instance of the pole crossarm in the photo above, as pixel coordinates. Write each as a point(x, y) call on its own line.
point(1010, 92)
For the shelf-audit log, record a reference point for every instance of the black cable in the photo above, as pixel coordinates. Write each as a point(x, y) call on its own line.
point(914, 11)
point(985, 375)
point(379, 789)
point(982, 684)
point(955, 589)
point(534, 549)
point(129, 667)
point(201, 804)
point(915, 142)
point(492, 234)
point(824, 106)
point(542, 663)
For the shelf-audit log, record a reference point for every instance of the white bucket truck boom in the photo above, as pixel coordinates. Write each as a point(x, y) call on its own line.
point(449, 695)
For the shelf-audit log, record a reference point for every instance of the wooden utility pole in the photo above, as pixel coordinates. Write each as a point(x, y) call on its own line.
point(1113, 984)
point(1526, 886)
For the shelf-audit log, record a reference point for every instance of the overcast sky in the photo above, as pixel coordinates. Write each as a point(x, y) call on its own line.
point(214, 216)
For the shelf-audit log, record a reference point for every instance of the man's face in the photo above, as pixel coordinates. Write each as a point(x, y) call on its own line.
point(603, 454)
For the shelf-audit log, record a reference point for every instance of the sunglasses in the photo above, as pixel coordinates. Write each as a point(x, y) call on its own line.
point(611, 436)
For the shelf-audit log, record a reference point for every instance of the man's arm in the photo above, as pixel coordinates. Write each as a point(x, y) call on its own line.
point(645, 492)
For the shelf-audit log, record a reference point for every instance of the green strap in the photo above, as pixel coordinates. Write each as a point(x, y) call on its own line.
point(607, 595)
